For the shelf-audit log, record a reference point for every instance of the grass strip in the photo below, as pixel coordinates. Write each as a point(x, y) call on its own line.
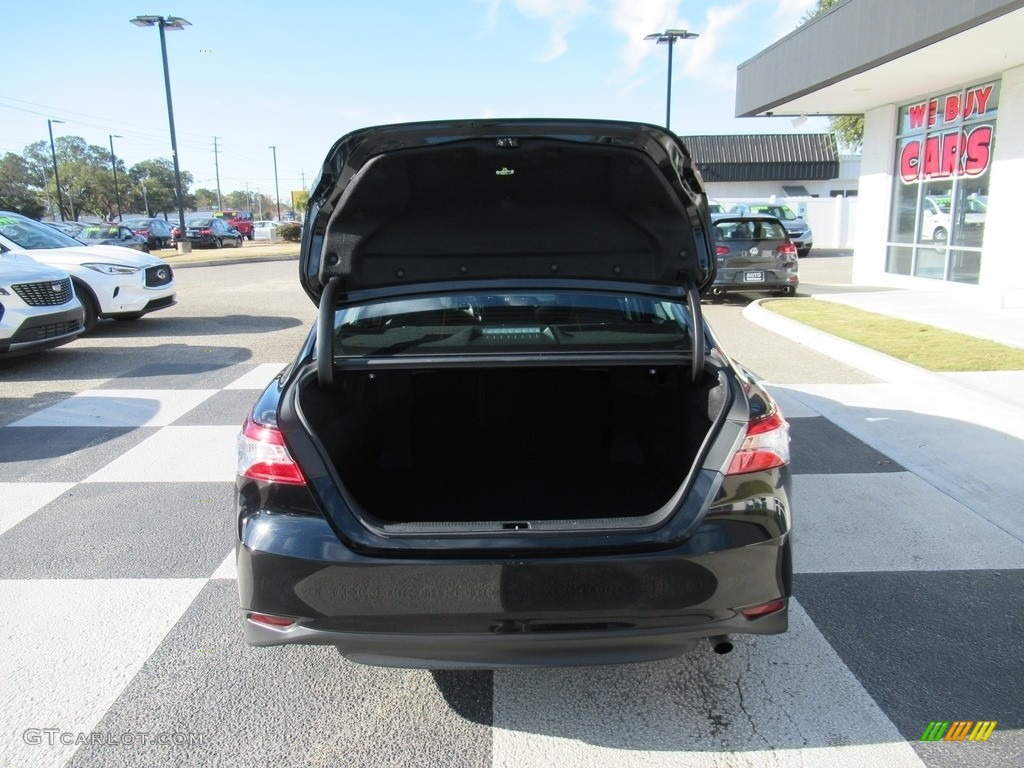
point(926, 346)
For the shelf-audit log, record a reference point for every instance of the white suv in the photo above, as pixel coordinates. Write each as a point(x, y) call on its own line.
point(110, 281)
point(38, 306)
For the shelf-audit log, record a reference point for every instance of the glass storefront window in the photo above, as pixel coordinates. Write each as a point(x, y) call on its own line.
point(940, 186)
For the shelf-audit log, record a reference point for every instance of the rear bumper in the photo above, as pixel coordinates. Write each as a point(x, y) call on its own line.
point(774, 280)
point(496, 650)
point(457, 613)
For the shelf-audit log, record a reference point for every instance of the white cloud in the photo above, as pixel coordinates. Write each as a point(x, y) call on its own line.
point(637, 19)
point(700, 56)
point(560, 15)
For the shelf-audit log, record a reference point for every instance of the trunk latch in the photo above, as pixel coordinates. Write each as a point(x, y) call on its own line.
point(516, 526)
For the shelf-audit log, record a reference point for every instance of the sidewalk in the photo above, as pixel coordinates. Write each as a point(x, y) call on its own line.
point(961, 432)
point(252, 251)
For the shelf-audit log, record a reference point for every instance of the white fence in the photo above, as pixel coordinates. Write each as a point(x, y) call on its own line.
point(833, 219)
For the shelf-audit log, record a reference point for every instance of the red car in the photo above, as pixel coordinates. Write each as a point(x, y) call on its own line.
point(240, 220)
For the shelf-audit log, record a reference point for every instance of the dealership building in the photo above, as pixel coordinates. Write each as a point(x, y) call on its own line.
point(941, 87)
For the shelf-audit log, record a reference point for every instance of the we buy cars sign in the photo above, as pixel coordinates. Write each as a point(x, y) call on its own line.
point(961, 151)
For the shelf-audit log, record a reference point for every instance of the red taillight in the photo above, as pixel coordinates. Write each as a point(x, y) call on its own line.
point(262, 455)
point(721, 250)
point(787, 249)
point(756, 611)
point(277, 622)
point(205, 231)
point(766, 446)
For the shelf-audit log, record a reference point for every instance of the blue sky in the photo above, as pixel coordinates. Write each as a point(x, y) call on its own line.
point(300, 75)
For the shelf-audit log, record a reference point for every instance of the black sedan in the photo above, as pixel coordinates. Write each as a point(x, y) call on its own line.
point(157, 231)
point(107, 233)
point(755, 255)
point(510, 438)
point(212, 232)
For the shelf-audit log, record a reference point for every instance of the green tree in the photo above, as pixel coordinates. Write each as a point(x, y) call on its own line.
point(206, 199)
point(86, 178)
point(235, 201)
point(153, 187)
point(848, 129)
point(19, 192)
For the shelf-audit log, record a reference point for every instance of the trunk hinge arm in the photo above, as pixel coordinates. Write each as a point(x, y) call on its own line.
point(325, 333)
point(693, 299)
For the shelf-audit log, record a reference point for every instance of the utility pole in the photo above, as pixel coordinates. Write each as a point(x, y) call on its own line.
point(303, 173)
point(56, 176)
point(216, 167)
point(113, 166)
point(277, 191)
point(145, 198)
point(248, 200)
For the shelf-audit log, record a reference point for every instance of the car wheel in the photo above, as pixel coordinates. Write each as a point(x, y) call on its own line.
point(218, 243)
point(145, 248)
point(251, 235)
point(238, 243)
point(940, 239)
point(803, 253)
point(89, 305)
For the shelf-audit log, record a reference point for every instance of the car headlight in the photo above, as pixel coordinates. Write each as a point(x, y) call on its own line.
point(112, 269)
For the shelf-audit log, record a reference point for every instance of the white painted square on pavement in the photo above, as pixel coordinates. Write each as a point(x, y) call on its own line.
point(119, 408)
point(19, 500)
point(891, 521)
point(258, 377)
point(69, 649)
point(176, 454)
point(800, 704)
point(227, 569)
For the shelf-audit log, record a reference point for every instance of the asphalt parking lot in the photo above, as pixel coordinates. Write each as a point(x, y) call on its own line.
point(123, 646)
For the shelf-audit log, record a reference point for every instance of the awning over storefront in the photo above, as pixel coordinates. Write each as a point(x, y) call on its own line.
point(861, 54)
point(766, 157)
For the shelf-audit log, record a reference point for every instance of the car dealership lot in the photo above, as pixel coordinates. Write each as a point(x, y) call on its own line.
point(116, 571)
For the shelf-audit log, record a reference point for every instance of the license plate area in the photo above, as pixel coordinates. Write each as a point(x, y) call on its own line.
point(753, 277)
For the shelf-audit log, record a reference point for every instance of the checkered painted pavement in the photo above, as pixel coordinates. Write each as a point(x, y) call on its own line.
point(120, 627)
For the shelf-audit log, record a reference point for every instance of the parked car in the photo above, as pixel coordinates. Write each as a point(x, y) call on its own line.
point(38, 306)
point(111, 233)
point(510, 438)
point(715, 207)
point(262, 230)
point(799, 230)
point(212, 232)
point(110, 281)
point(72, 228)
point(240, 220)
point(755, 255)
point(157, 231)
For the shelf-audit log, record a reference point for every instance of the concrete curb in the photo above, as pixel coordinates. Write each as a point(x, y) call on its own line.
point(877, 364)
point(221, 261)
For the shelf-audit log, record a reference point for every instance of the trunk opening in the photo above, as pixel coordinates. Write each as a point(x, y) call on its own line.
point(512, 445)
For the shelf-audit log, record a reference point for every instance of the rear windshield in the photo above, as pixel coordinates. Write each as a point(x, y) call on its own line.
point(751, 229)
point(511, 323)
point(778, 211)
point(98, 233)
point(199, 223)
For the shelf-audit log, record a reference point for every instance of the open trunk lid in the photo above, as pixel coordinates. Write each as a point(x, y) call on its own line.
point(398, 209)
point(425, 208)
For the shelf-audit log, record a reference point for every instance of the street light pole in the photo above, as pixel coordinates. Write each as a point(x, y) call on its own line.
point(56, 177)
point(113, 167)
point(669, 36)
point(277, 192)
point(172, 23)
